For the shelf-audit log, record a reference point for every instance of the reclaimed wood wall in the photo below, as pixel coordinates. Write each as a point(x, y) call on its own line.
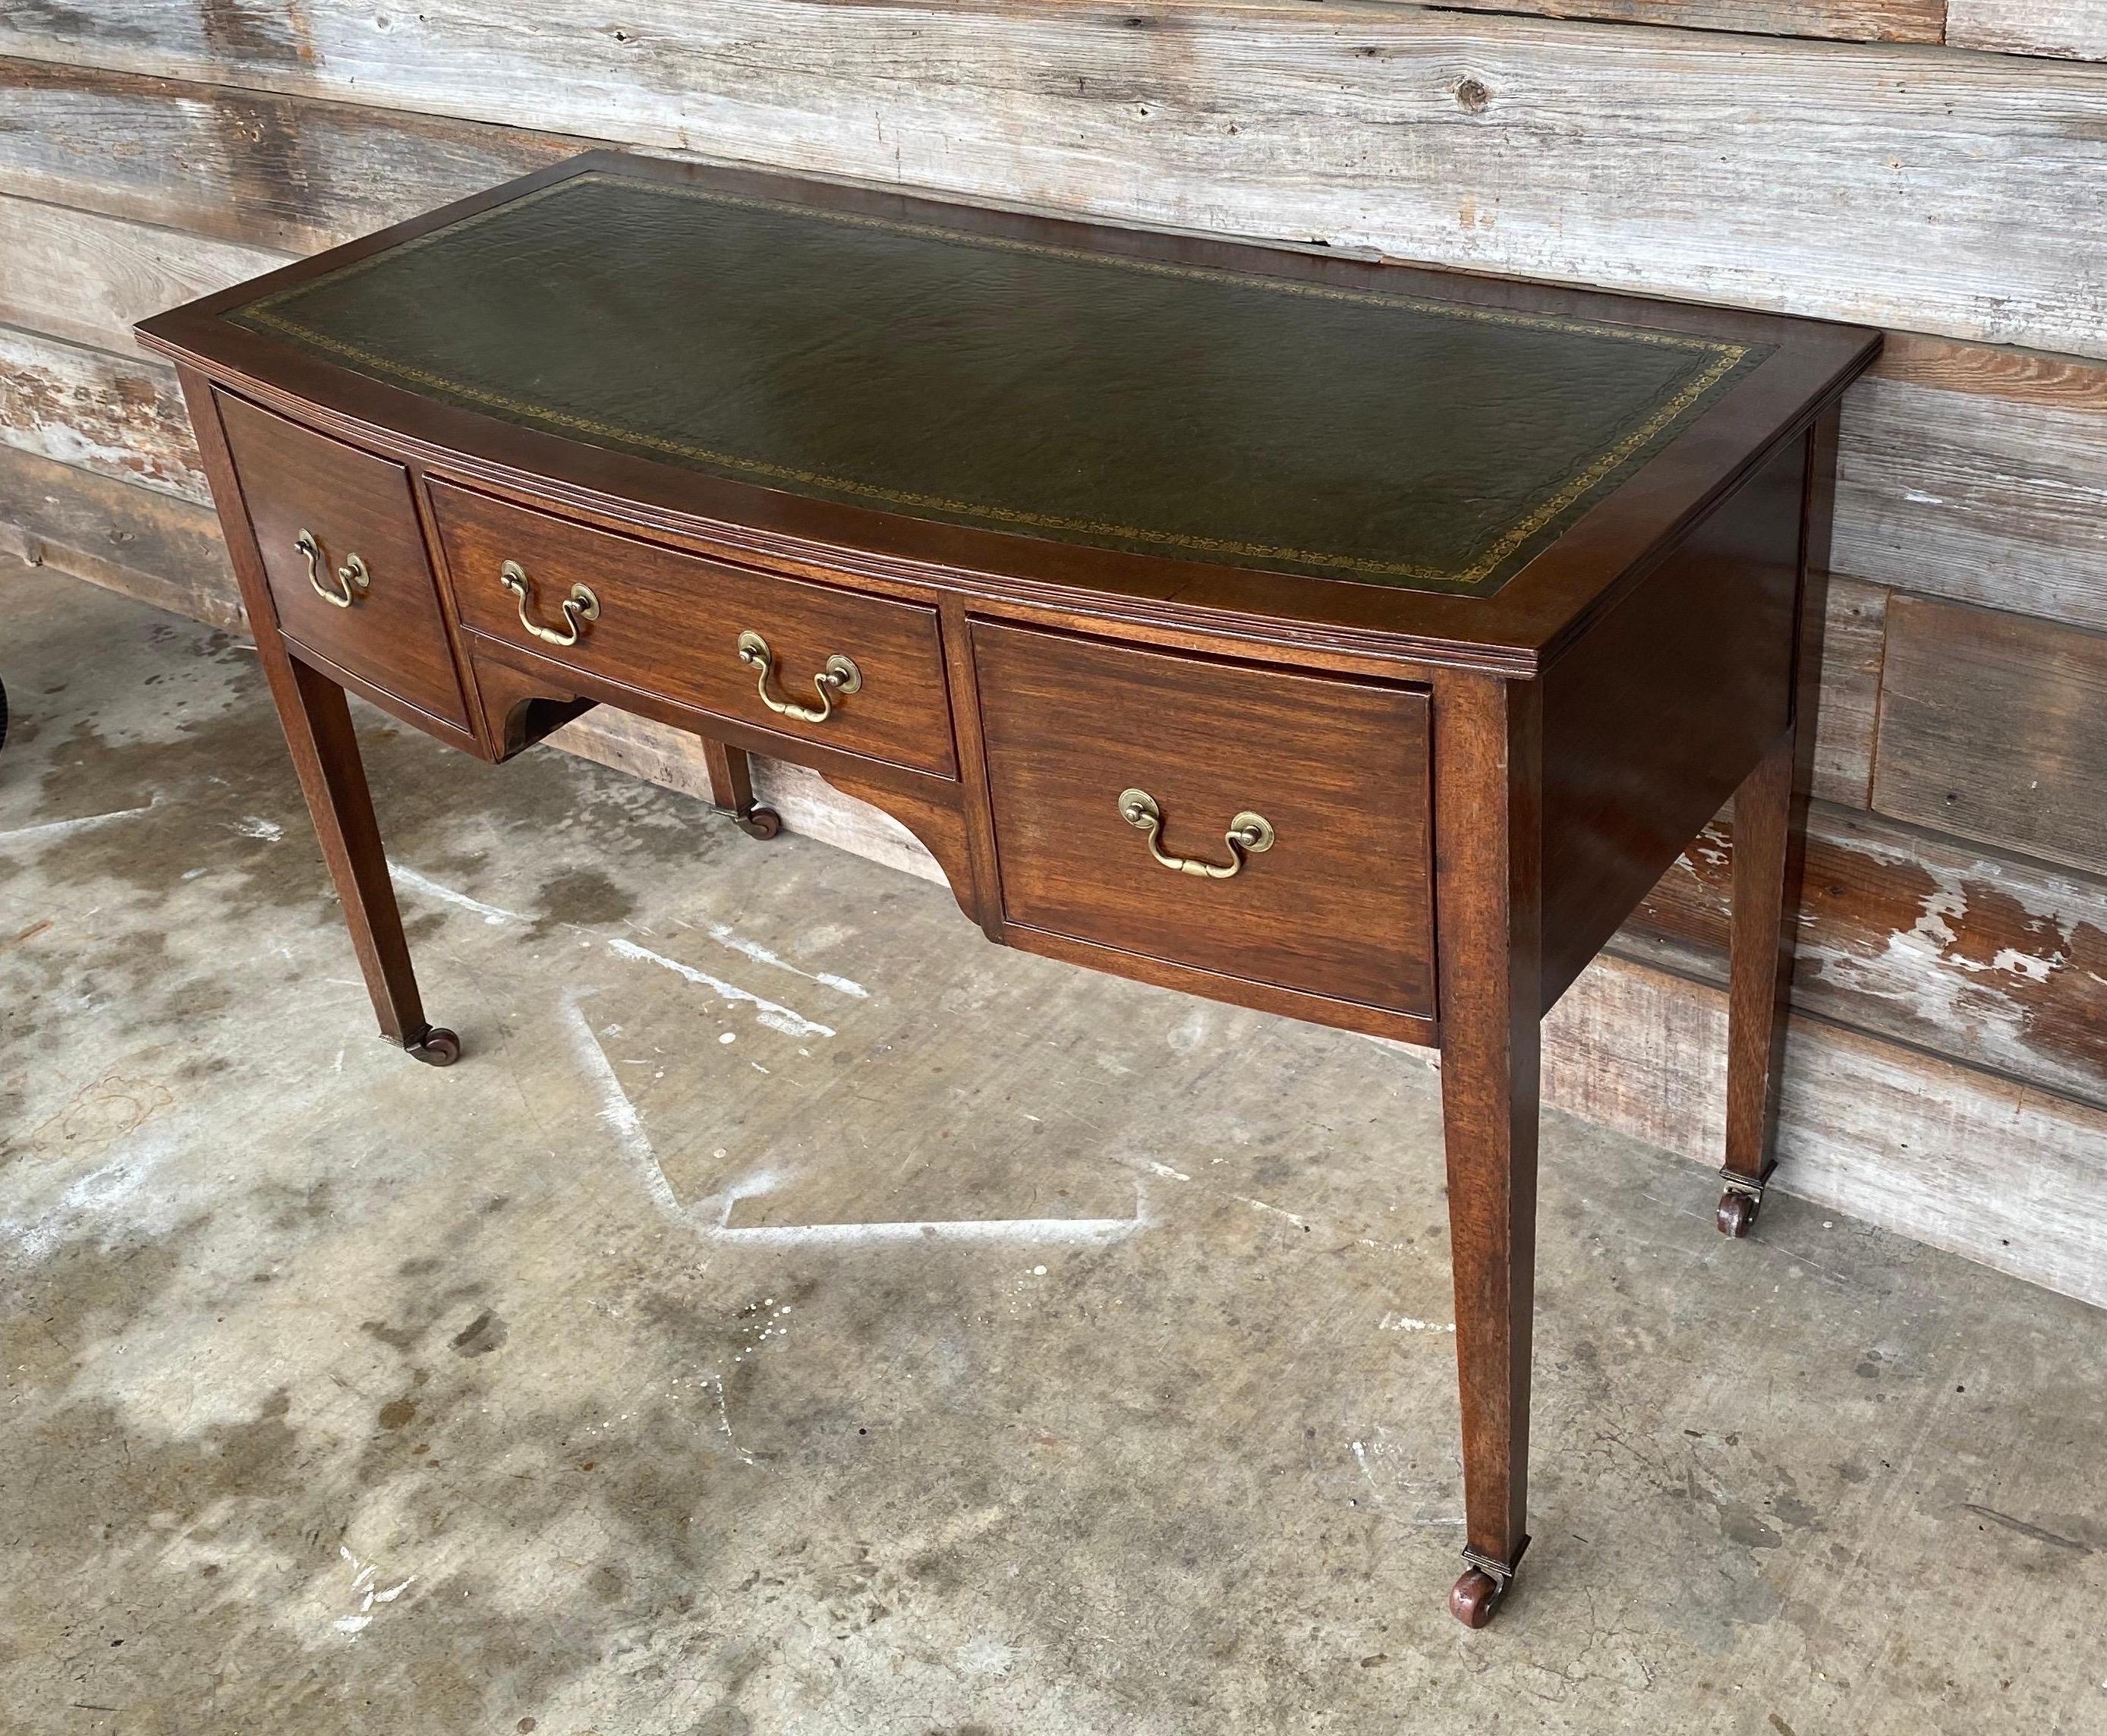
point(1935, 167)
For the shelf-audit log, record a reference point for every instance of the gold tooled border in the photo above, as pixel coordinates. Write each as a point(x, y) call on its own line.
point(1725, 357)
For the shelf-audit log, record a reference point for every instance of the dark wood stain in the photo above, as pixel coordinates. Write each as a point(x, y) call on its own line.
point(1470, 793)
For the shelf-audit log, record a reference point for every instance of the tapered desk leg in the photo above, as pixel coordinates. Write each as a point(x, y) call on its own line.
point(1759, 977)
point(731, 790)
point(1487, 780)
point(317, 724)
point(1770, 837)
point(318, 729)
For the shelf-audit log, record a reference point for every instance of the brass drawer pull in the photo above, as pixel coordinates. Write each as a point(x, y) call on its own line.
point(1249, 835)
point(352, 579)
point(840, 678)
point(579, 607)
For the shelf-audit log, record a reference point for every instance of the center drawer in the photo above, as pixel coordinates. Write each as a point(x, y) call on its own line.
point(836, 668)
point(1109, 765)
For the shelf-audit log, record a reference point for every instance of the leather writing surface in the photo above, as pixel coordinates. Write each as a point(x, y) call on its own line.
point(1080, 396)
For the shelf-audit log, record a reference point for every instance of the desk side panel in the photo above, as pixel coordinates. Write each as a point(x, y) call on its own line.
point(1654, 715)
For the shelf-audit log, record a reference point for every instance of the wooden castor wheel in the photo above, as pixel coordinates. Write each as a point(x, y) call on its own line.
point(760, 822)
point(1473, 1598)
point(1737, 1214)
point(440, 1047)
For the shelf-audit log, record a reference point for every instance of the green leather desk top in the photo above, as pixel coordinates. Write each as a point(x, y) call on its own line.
point(1078, 396)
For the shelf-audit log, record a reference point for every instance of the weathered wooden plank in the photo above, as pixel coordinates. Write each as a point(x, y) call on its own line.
point(2071, 29)
point(85, 278)
point(137, 540)
point(1871, 181)
point(1988, 961)
point(2025, 376)
point(1843, 20)
point(238, 165)
point(1979, 475)
point(118, 415)
point(1991, 726)
point(1960, 1159)
point(1853, 641)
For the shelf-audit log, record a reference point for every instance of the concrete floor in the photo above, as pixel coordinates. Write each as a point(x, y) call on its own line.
point(794, 1314)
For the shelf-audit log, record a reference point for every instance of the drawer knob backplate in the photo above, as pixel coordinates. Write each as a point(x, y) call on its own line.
point(839, 677)
point(1249, 835)
point(579, 607)
point(352, 580)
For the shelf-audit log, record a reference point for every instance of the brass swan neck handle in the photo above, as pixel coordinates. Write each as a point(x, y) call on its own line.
point(1249, 835)
point(352, 580)
point(579, 607)
point(838, 678)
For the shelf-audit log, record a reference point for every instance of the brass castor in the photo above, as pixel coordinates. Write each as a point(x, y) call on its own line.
point(1473, 1598)
point(440, 1047)
point(1737, 1213)
point(760, 822)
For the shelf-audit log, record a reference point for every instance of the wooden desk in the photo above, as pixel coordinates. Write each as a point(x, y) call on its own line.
point(1356, 642)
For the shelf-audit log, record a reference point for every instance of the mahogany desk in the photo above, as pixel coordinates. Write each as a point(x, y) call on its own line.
point(1352, 641)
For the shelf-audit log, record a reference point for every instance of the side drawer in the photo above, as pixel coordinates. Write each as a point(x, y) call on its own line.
point(676, 625)
point(344, 557)
point(1337, 904)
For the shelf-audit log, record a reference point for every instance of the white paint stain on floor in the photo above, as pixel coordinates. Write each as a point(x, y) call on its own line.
point(51, 828)
point(1093, 1230)
point(364, 1590)
point(617, 1114)
point(413, 881)
point(724, 1423)
point(727, 937)
point(775, 1016)
point(1031, 1230)
point(710, 1217)
point(772, 1014)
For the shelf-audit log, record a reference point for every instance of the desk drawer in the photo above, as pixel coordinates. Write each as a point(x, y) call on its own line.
point(1338, 904)
point(678, 625)
point(381, 620)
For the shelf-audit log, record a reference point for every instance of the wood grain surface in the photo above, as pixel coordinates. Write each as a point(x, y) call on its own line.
point(1848, 21)
point(85, 277)
point(670, 624)
point(1982, 477)
point(251, 167)
point(1986, 959)
point(1991, 726)
point(116, 415)
point(1341, 904)
point(356, 506)
point(2076, 29)
point(139, 541)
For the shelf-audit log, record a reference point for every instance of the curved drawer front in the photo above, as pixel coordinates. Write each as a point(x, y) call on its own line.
point(865, 674)
point(344, 557)
point(1109, 765)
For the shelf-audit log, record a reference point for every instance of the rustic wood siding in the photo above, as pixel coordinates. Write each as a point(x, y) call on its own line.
point(1846, 20)
point(117, 415)
point(1871, 181)
point(1939, 167)
point(1995, 726)
point(2076, 29)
